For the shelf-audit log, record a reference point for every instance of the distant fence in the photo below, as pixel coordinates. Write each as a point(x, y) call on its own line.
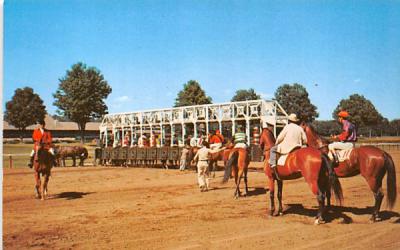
point(11, 157)
point(384, 146)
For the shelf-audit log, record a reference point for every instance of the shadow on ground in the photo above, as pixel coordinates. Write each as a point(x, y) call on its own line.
point(71, 195)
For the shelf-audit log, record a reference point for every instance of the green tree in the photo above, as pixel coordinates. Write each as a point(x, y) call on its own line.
point(192, 94)
point(245, 95)
point(362, 111)
point(24, 109)
point(80, 95)
point(294, 99)
point(394, 127)
point(327, 128)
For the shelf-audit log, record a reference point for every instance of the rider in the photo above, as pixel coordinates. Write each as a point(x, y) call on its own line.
point(291, 136)
point(216, 140)
point(240, 138)
point(346, 139)
point(41, 137)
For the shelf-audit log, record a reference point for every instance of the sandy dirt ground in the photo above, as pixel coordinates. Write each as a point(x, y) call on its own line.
point(143, 208)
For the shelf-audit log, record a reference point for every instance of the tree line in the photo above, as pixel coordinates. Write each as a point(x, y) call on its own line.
point(81, 95)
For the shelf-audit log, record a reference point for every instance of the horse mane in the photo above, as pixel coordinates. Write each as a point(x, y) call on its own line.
point(315, 135)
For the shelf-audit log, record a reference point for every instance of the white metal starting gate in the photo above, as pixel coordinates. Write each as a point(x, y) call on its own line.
point(172, 122)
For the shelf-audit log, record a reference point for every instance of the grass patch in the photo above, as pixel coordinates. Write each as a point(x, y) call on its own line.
point(22, 151)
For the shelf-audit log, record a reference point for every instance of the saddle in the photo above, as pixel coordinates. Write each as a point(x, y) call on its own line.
point(282, 157)
point(344, 154)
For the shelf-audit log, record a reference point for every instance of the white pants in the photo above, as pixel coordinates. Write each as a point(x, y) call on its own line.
point(51, 151)
point(215, 146)
point(338, 146)
point(202, 174)
point(241, 145)
point(182, 164)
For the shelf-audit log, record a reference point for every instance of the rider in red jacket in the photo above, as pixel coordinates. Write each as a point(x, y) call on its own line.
point(41, 137)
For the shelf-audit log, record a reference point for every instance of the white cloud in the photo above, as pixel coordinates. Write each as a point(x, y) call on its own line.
point(122, 99)
point(357, 80)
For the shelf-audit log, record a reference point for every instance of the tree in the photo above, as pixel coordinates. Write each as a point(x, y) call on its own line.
point(362, 111)
point(245, 95)
point(294, 99)
point(192, 94)
point(24, 109)
point(80, 95)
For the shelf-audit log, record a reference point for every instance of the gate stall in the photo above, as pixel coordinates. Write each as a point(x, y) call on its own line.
point(172, 127)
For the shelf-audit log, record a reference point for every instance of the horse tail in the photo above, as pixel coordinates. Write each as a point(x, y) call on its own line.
point(390, 180)
point(228, 168)
point(333, 179)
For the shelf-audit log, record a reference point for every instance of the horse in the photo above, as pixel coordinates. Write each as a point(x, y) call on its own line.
point(369, 161)
point(307, 162)
point(43, 162)
point(219, 155)
point(73, 152)
point(237, 165)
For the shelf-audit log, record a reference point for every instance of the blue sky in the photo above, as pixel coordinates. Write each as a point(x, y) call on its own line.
point(147, 50)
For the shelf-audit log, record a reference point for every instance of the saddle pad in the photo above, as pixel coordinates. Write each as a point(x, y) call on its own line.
point(282, 160)
point(344, 154)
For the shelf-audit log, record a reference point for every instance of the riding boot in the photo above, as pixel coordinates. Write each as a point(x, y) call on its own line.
point(335, 162)
point(30, 163)
point(275, 173)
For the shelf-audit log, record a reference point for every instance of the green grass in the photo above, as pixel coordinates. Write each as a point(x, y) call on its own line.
point(21, 161)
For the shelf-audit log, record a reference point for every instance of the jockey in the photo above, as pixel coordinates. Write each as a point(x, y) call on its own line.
point(291, 136)
point(41, 137)
point(216, 140)
point(346, 139)
point(239, 138)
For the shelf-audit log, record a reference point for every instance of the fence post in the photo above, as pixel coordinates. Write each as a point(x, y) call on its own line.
point(11, 163)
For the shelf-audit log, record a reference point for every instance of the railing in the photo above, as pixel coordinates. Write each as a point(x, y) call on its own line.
point(10, 158)
point(384, 145)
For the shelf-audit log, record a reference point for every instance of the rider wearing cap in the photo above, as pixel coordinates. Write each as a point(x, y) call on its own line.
point(346, 139)
point(291, 136)
point(41, 137)
point(216, 140)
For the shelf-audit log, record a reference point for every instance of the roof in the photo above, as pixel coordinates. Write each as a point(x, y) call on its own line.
point(52, 124)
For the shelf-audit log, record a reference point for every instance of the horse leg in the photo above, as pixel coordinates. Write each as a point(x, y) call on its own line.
point(321, 208)
point(280, 189)
point(45, 182)
point(272, 196)
point(37, 186)
point(237, 181)
point(378, 195)
point(246, 189)
point(73, 161)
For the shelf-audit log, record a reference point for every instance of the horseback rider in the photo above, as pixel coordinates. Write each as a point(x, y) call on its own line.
point(346, 139)
point(240, 138)
point(41, 137)
point(291, 137)
point(216, 140)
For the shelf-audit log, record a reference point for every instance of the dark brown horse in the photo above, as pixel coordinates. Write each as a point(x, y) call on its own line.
point(371, 162)
point(307, 162)
point(43, 162)
point(74, 152)
point(237, 165)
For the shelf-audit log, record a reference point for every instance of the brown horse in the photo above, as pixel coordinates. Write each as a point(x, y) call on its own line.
point(43, 162)
point(237, 165)
point(74, 152)
point(221, 155)
point(307, 162)
point(371, 162)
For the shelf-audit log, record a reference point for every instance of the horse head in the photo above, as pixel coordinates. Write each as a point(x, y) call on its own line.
point(314, 139)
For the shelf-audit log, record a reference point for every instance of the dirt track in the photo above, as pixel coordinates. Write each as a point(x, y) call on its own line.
point(141, 208)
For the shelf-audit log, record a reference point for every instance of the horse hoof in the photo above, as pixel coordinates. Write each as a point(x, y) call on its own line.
point(319, 221)
point(280, 213)
point(375, 219)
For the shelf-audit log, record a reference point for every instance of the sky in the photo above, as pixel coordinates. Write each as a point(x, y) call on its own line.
point(148, 49)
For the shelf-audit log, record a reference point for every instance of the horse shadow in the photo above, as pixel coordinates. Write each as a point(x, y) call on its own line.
point(71, 195)
point(338, 212)
point(257, 191)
